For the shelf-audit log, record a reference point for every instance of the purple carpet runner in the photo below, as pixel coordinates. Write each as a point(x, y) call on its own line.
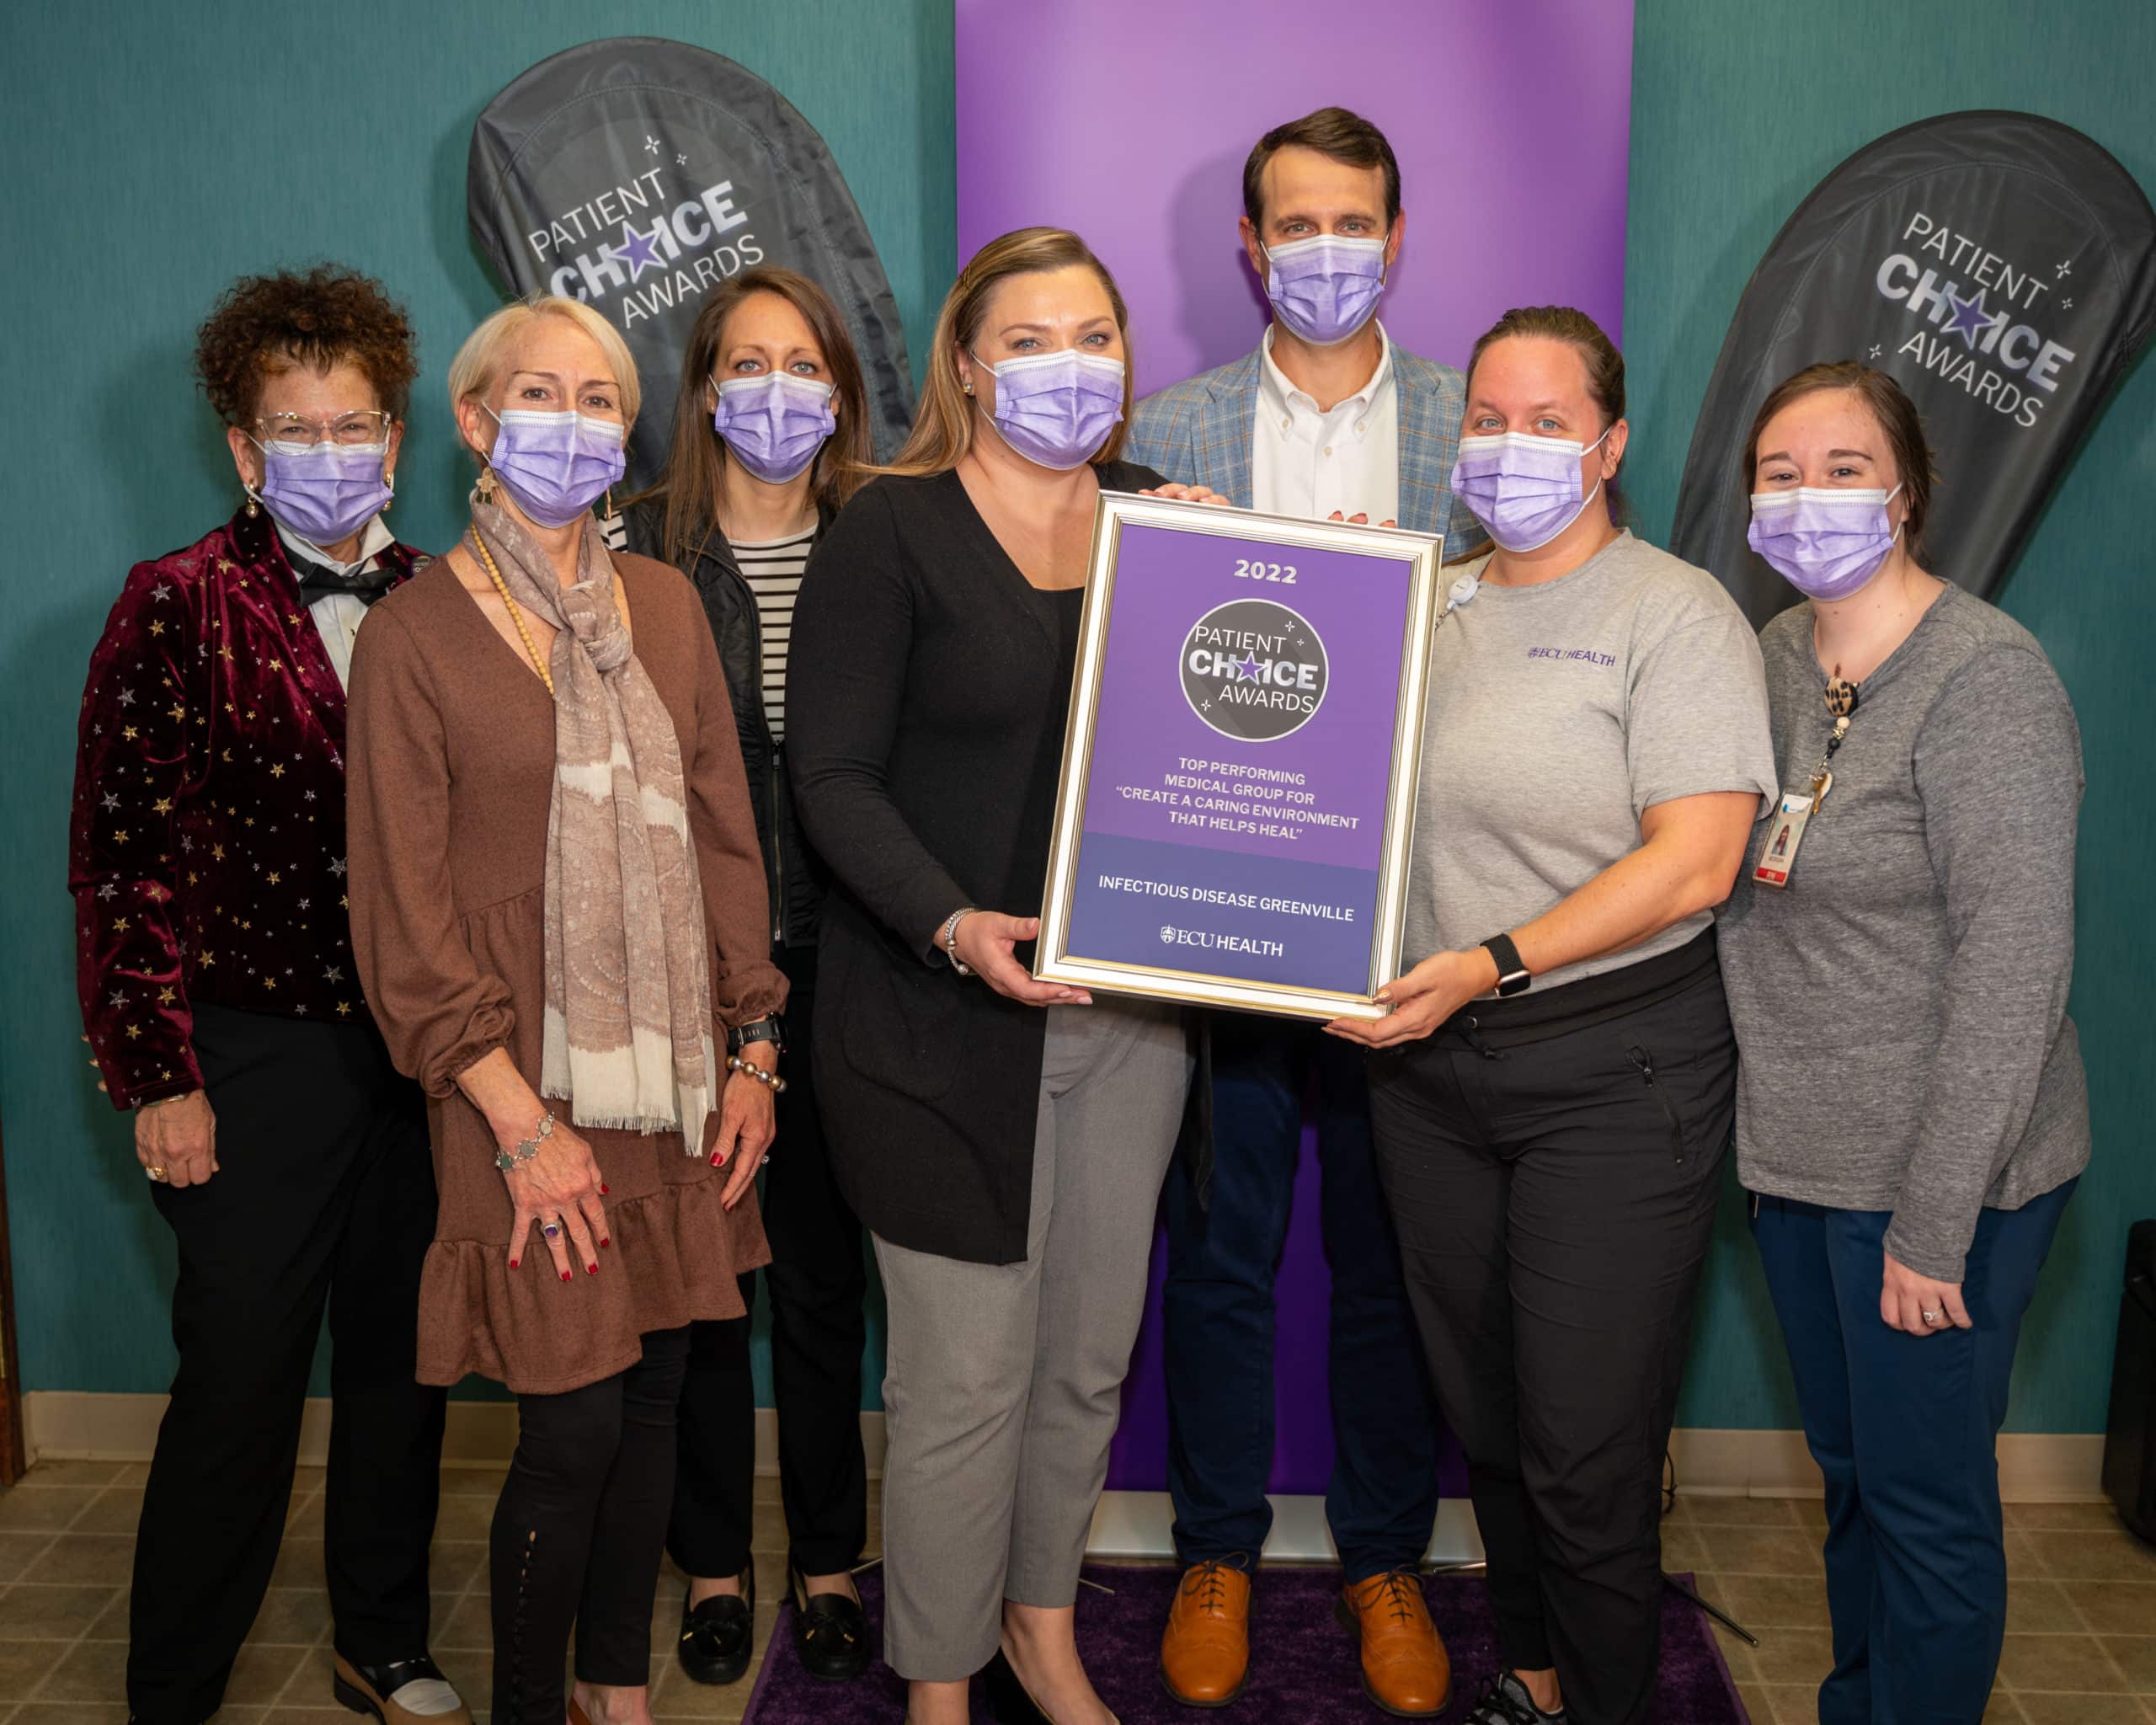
point(1305, 1674)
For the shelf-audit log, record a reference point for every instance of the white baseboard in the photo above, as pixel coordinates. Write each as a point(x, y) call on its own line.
point(2033, 1467)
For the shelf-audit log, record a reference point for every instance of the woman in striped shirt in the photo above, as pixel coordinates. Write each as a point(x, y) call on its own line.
point(771, 433)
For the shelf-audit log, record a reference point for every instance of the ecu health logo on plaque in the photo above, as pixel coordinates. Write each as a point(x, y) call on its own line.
point(1254, 670)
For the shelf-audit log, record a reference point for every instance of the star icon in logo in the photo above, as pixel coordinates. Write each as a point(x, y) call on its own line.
point(2066, 304)
point(651, 145)
point(1246, 668)
point(638, 250)
point(1970, 319)
point(681, 161)
point(2063, 270)
point(1876, 351)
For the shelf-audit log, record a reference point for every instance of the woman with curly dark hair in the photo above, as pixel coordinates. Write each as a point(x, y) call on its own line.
point(206, 857)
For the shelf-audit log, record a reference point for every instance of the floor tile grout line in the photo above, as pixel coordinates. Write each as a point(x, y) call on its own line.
point(82, 1635)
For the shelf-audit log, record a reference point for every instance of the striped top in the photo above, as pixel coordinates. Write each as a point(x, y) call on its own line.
point(772, 568)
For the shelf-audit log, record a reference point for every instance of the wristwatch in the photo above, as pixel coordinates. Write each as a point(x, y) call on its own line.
point(1513, 976)
point(771, 1029)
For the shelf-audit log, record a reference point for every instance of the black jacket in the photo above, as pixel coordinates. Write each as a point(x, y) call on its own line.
point(926, 695)
point(794, 874)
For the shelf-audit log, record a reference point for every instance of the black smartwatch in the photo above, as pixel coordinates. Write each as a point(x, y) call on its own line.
point(771, 1030)
point(1513, 977)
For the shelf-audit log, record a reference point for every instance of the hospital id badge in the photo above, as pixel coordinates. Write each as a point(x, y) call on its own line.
point(1786, 832)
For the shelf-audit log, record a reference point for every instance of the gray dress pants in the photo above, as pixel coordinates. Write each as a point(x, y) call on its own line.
point(1002, 1383)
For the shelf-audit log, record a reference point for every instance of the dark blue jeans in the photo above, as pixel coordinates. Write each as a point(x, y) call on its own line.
point(1219, 1312)
point(1905, 1429)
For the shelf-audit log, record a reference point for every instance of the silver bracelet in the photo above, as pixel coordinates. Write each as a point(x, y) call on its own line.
point(508, 1159)
point(947, 938)
point(734, 1063)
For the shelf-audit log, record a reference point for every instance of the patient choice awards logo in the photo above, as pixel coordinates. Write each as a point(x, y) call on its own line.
point(640, 176)
point(2001, 267)
point(1253, 670)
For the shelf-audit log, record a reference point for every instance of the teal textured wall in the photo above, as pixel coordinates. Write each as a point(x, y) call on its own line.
point(155, 152)
point(1736, 114)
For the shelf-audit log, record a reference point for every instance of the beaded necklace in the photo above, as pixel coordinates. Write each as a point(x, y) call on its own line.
point(515, 611)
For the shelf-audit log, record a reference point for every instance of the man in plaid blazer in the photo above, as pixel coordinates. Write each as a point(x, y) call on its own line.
point(1326, 418)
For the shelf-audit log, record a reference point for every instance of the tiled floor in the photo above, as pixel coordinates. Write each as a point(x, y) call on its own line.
point(2080, 1645)
point(2081, 1611)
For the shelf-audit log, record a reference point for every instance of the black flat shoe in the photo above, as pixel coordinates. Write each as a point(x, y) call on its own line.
point(1008, 1703)
point(830, 1632)
point(718, 1637)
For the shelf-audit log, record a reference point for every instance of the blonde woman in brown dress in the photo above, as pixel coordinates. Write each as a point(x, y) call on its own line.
point(559, 913)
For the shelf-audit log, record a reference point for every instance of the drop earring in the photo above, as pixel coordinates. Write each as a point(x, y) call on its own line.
point(485, 488)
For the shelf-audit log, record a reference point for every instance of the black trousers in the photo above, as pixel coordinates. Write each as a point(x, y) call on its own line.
point(817, 1281)
point(324, 1197)
point(578, 1532)
point(1555, 1199)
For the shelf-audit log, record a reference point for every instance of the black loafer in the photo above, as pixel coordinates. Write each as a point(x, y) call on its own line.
point(719, 1637)
point(830, 1632)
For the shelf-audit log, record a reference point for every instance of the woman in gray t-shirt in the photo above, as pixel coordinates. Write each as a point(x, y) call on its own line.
point(1911, 1113)
point(1553, 1091)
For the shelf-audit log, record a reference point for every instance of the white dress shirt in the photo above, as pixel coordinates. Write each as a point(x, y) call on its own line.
point(338, 616)
point(1305, 462)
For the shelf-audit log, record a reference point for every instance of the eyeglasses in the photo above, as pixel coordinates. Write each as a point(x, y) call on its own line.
point(353, 429)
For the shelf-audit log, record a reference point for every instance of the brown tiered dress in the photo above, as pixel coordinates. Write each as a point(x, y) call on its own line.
point(449, 776)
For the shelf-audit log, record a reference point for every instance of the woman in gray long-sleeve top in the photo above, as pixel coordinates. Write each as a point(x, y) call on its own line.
point(1912, 1112)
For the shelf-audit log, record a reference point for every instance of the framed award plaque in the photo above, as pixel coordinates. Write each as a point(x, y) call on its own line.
point(1237, 800)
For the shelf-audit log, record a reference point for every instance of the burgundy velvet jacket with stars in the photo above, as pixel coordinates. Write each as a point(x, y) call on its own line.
point(206, 849)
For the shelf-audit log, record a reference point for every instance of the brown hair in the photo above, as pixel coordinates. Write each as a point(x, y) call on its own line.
point(265, 324)
point(943, 430)
point(1891, 406)
point(1605, 365)
point(692, 480)
point(1347, 138)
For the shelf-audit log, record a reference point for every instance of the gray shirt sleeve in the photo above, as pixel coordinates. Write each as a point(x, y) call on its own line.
point(1696, 715)
point(1998, 767)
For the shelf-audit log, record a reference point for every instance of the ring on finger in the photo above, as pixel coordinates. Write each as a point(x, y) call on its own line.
point(156, 1174)
point(552, 1230)
point(1931, 1318)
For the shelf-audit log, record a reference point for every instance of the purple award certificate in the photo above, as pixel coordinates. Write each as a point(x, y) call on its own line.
point(1239, 773)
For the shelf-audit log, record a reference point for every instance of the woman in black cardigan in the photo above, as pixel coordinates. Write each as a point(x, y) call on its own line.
point(1006, 1158)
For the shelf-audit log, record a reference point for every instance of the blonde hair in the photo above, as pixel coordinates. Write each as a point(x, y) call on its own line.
point(478, 362)
point(943, 430)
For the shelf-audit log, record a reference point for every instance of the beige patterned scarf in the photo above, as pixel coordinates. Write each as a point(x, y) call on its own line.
point(627, 1038)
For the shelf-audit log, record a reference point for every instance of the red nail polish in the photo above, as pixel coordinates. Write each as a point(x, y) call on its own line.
point(604, 1190)
point(604, 1240)
point(591, 1269)
point(565, 1275)
point(512, 1264)
point(714, 1158)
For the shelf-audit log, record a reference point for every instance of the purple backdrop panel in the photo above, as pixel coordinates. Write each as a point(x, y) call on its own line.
point(1128, 122)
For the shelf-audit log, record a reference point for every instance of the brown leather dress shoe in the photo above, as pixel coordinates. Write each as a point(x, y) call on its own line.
point(1404, 1667)
point(1205, 1654)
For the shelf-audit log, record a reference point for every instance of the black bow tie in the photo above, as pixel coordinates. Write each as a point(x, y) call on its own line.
point(318, 581)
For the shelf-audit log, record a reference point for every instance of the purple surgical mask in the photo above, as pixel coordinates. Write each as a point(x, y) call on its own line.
point(1326, 289)
point(775, 424)
point(555, 466)
point(325, 493)
point(1525, 489)
point(1827, 542)
point(1057, 408)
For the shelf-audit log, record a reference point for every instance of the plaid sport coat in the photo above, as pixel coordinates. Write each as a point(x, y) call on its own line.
point(1198, 432)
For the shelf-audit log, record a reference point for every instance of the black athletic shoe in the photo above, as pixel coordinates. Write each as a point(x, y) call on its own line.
point(1504, 1700)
